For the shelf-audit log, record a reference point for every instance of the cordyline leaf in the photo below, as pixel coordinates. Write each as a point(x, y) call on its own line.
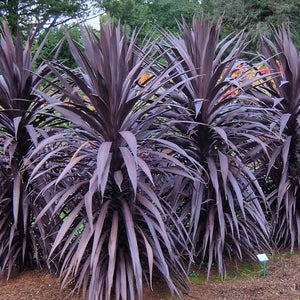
point(43, 144)
point(150, 257)
point(131, 167)
point(60, 199)
point(283, 187)
point(215, 182)
point(73, 162)
point(143, 165)
point(133, 246)
point(79, 149)
point(224, 167)
point(17, 190)
point(82, 246)
point(103, 164)
point(99, 227)
point(239, 196)
point(221, 132)
point(181, 168)
point(65, 227)
point(123, 280)
point(69, 258)
point(273, 158)
point(12, 151)
point(258, 141)
point(118, 177)
point(285, 151)
point(112, 251)
point(152, 196)
point(33, 134)
point(162, 264)
point(41, 162)
point(176, 148)
point(67, 112)
point(130, 139)
point(106, 174)
point(88, 199)
point(283, 122)
point(162, 228)
point(96, 271)
point(17, 121)
point(8, 141)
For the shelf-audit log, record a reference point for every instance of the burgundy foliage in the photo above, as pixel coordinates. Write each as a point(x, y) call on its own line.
point(143, 159)
point(21, 123)
point(225, 209)
point(283, 90)
point(116, 230)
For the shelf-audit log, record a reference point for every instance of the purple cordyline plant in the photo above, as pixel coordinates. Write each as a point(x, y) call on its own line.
point(108, 168)
point(224, 210)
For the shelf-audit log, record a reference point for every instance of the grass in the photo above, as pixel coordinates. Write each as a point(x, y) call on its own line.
point(235, 271)
point(239, 271)
point(285, 255)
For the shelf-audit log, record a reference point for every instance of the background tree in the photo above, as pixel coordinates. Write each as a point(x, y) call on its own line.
point(131, 12)
point(54, 38)
point(155, 13)
point(166, 13)
point(257, 15)
point(41, 13)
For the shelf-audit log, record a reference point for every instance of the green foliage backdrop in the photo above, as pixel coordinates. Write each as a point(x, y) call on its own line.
point(254, 15)
point(134, 160)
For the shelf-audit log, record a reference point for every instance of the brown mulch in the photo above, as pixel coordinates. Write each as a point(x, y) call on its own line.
point(282, 282)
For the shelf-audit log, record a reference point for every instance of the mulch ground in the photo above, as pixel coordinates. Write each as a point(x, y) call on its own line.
point(282, 282)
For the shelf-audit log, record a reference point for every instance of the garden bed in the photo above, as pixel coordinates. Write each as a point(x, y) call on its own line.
point(244, 282)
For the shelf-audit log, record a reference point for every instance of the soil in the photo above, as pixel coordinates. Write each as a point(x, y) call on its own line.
point(282, 282)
